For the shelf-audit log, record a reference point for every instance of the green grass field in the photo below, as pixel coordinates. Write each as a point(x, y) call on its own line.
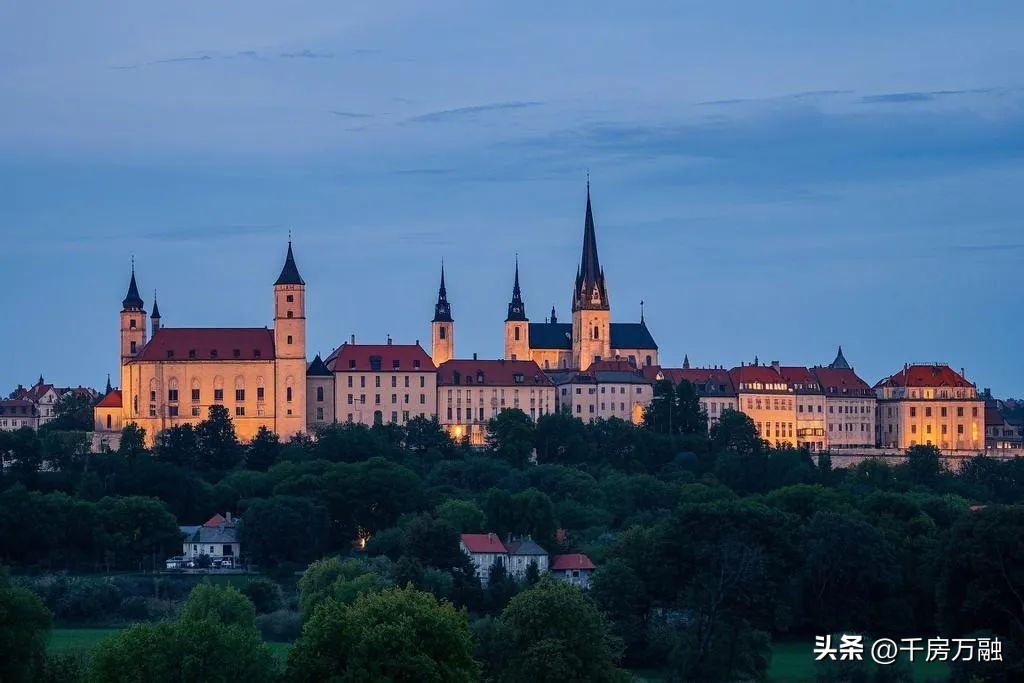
point(67, 639)
point(793, 662)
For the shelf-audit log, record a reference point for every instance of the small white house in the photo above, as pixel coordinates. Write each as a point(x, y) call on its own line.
point(522, 552)
point(216, 540)
point(575, 568)
point(485, 551)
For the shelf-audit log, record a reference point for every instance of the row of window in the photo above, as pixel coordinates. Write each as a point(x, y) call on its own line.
point(394, 381)
point(943, 411)
point(782, 430)
point(376, 399)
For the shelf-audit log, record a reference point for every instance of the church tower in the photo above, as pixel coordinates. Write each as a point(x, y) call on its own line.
point(133, 334)
point(442, 327)
point(154, 317)
point(591, 314)
point(289, 350)
point(517, 325)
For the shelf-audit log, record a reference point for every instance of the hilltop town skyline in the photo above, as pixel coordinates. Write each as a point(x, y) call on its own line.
point(774, 182)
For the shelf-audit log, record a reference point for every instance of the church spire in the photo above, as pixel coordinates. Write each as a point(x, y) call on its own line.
point(154, 318)
point(132, 300)
point(442, 309)
point(516, 307)
point(686, 362)
point(590, 292)
point(109, 388)
point(290, 272)
point(554, 319)
point(840, 362)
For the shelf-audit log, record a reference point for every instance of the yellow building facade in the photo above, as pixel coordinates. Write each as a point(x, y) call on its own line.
point(932, 405)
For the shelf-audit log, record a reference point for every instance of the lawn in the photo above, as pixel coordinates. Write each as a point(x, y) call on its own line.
point(65, 639)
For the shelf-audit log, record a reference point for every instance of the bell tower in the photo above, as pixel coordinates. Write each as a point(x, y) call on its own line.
point(442, 327)
point(517, 325)
point(591, 313)
point(289, 350)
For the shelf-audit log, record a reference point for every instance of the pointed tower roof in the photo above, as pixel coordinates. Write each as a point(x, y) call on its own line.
point(132, 300)
point(156, 309)
point(590, 292)
point(840, 362)
point(442, 309)
point(109, 388)
point(290, 272)
point(554, 318)
point(516, 307)
point(686, 362)
point(318, 368)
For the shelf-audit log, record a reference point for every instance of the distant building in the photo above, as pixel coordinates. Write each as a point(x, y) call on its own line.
point(175, 375)
point(485, 551)
point(43, 398)
point(17, 413)
point(472, 392)
point(769, 400)
point(607, 389)
point(320, 400)
point(522, 552)
point(810, 407)
point(1000, 433)
point(929, 404)
point(216, 541)
point(714, 386)
point(382, 383)
point(850, 405)
point(575, 568)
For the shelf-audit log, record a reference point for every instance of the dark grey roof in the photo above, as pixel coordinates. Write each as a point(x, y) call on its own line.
point(840, 362)
point(132, 298)
point(442, 309)
point(215, 534)
point(156, 309)
point(631, 336)
point(318, 368)
point(526, 546)
point(516, 307)
point(290, 272)
point(550, 335)
point(189, 531)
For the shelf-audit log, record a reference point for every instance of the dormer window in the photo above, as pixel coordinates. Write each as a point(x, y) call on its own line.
point(236, 353)
point(257, 353)
point(191, 353)
point(213, 353)
point(416, 365)
point(170, 353)
point(352, 364)
point(517, 378)
point(395, 364)
point(375, 363)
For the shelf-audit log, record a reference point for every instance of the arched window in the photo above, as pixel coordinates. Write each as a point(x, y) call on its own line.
point(108, 421)
point(378, 417)
point(288, 394)
point(239, 388)
point(172, 390)
point(320, 394)
point(442, 333)
point(648, 360)
point(290, 314)
point(517, 332)
point(595, 332)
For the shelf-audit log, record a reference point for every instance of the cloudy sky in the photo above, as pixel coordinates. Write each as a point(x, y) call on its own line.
point(773, 180)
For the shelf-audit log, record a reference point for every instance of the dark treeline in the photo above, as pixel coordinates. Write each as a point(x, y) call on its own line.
point(708, 546)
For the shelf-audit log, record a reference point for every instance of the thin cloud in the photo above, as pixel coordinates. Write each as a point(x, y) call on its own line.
point(306, 54)
point(351, 114)
point(445, 114)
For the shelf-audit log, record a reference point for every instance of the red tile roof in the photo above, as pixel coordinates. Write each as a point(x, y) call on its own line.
point(619, 365)
point(842, 381)
point(494, 373)
point(699, 377)
point(751, 374)
point(569, 562)
point(993, 418)
point(483, 543)
point(209, 344)
point(357, 357)
point(111, 400)
point(935, 375)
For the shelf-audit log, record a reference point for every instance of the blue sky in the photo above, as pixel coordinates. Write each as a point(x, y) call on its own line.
point(772, 179)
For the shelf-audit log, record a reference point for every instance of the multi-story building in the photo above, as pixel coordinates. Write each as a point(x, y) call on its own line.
point(810, 407)
point(605, 390)
point(472, 392)
point(850, 405)
point(44, 398)
point(17, 413)
point(177, 374)
point(552, 345)
point(770, 401)
point(320, 403)
point(382, 383)
point(929, 404)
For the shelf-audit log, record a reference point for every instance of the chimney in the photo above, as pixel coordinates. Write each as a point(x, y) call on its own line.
point(389, 340)
point(353, 339)
point(474, 355)
point(227, 516)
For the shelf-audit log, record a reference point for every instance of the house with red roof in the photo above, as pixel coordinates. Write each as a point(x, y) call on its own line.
point(382, 383)
point(930, 404)
point(172, 376)
point(472, 392)
point(850, 405)
point(714, 386)
point(574, 568)
point(769, 399)
point(485, 551)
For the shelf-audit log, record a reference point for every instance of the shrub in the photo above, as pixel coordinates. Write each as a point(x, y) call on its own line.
point(281, 626)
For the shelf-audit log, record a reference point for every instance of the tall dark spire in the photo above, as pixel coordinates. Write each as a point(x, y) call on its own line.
point(554, 318)
point(590, 291)
point(109, 388)
point(686, 362)
point(442, 309)
point(290, 272)
point(840, 362)
point(156, 309)
point(516, 307)
point(132, 300)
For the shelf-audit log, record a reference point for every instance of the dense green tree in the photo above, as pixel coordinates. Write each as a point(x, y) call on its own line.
point(178, 445)
point(561, 438)
point(398, 635)
point(924, 465)
point(735, 433)
point(462, 515)
point(141, 530)
point(133, 443)
point(675, 409)
point(22, 449)
point(264, 594)
point(510, 436)
point(24, 628)
point(622, 598)
point(282, 530)
point(73, 412)
point(219, 448)
point(263, 451)
point(529, 512)
point(224, 605)
point(556, 633)
point(342, 581)
point(424, 434)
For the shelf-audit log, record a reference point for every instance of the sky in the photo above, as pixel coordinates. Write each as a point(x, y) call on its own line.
point(771, 179)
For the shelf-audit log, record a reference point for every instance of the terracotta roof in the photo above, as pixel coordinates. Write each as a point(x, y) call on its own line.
point(111, 400)
point(934, 375)
point(483, 543)
point(750, 374)
point(380, 358)
point(834, 380)
point(209, 344)
point(994, 418)
point(709, 381)
point(560, 563)
point(619, 365)
point(491, 373)
point(801, 379)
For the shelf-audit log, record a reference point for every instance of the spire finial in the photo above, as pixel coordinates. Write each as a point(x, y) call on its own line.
point(289, 236)
point(641, 311)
